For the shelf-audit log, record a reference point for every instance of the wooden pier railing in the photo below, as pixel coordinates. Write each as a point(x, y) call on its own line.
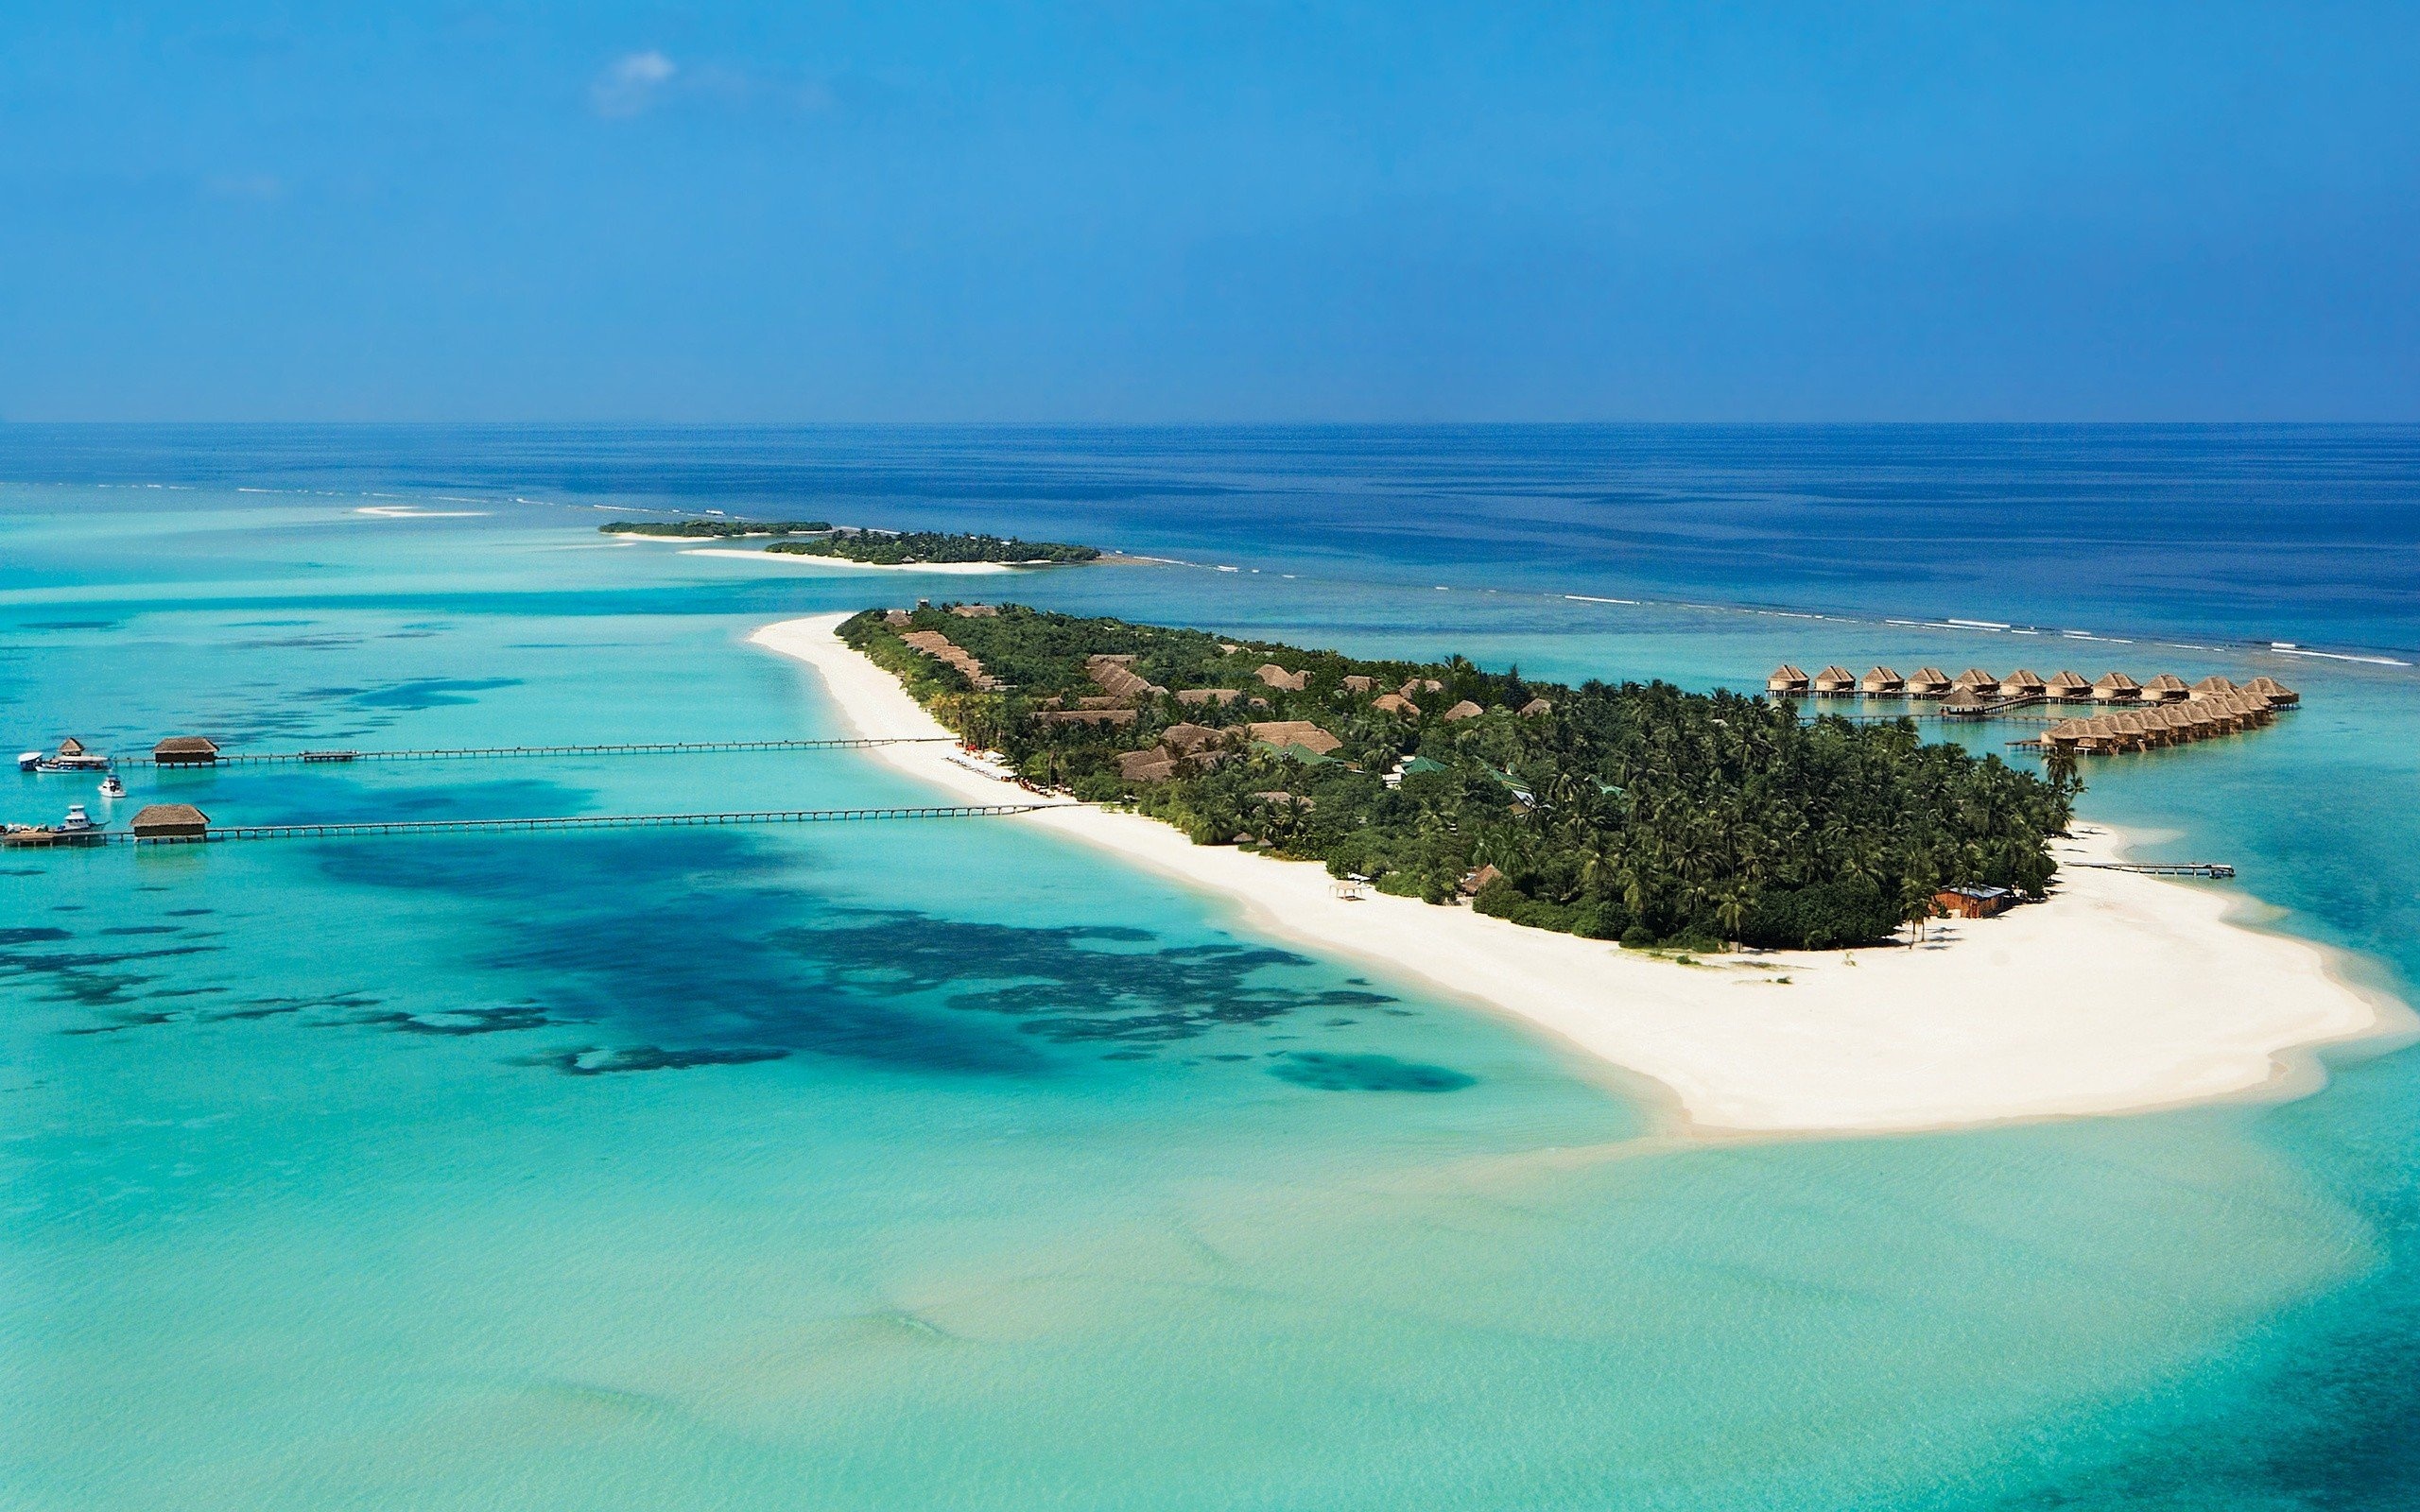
point(685, 747)
point(352, 828)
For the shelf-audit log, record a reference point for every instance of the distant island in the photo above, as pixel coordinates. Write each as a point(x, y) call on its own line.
point(884, 548)
point(1634, 812)
point(713, 530)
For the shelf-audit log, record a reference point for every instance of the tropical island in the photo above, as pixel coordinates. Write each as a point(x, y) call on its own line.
point(909, 548)
point(713, 530)
point(1636, 811)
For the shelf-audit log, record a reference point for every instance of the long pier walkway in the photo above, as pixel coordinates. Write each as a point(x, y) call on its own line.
point(348, 829)
point(686, 747)
point(2165, 868)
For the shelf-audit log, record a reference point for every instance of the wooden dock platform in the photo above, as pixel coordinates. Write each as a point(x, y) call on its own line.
point(685, 748)
point(2218, 870)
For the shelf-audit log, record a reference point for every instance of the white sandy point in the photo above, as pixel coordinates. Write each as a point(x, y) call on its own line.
point(2122, 994)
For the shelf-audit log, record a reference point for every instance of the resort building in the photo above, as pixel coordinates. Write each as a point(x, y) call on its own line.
point(1300, 733)
point(1881, 682)
point(1395, 703)
point(185, 751)
point(1281, 679)
point(2067, 687)
point(2114, 687)
point(1972, 902)
point(170, 822)
point(1929, 682)
point(2276, 693)
point(1834, 683)
point(1465, 710)
point(1978, 680)
point(2212, 687)
point(1964, 702)
point(1787, 682)
point(1416, 686)
point(1536, 708)
point(2166, 688)
point(1197, 696)
point(1358, 683)
point(2023, 684)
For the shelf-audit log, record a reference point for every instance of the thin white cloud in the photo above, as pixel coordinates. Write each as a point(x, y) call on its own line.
point(631, 83)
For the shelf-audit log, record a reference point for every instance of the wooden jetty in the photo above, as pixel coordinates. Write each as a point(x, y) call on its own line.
point(189, 759)
point(354, 828)
point(2218, 870)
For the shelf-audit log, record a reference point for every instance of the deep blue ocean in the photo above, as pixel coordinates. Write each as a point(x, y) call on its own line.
point(951, 1166)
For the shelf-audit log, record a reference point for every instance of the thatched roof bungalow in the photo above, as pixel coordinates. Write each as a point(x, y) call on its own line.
point(2213, 687)
point(185, 751)
point(1395, 703)
point(1536, 708)
point(170, 822)
point(1834, 683)
point(1963, 703)
point(2067, 687)
point(1085, 717)
point(1929, 682)
point(2114, 687)
point(2278, 694)
point(1281, 679)
point(1977, 679)
point(1787, 682)
point(1294, 732)
point(1198, 697)
point(1186, 739)
point(1414, 687)
point(1358, 683)
point(2023, 684)
point(2166, 688)
point(1465, 710)
point(1881, 682)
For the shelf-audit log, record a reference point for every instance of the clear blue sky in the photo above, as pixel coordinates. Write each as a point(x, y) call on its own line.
point(1138, 212)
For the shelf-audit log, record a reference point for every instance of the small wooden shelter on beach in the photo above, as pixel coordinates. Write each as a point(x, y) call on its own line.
point(1972, 902)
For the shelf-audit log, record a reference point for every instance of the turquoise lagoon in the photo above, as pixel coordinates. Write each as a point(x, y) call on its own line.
point(946, 1164)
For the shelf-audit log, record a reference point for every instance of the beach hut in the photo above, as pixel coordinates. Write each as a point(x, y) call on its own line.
point(2023, 684)
point(1929, 682)
point(2067, 687)
point(1834, 683)
point(1972, 902)
point(2166, 688)
point(1536, 708)
point(1465, 710)
point(2113, 687)
point(170, 822)
point(2213, 687)
point(2278, 694)
point(1473, 880)
point(1881, 682)
point(185, 751)
point(1395, 703)
point(1787, 682)
point(1281, 679)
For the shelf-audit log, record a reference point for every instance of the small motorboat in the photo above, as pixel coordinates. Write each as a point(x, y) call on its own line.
point(30, 761)
point(112, 787)
point(77, 821)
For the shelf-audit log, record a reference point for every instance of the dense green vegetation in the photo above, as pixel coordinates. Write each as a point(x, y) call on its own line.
point(898, 549)
point(1636, 811)
point(713, 530)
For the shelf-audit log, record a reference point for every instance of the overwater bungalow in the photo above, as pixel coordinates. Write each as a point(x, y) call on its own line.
point(1929, 682)
point(170, 822)
point(185, 751)
point(2114, 687)
point(2064, 686)
point(2063, 735)
point(2022, 684)
point(2278, 694)
point(2166, 688)
point(2212, 687)
point(1834, 683)
point(1978, 680)
point(1963, 703)
point(1881, 682)
point(1787, 682)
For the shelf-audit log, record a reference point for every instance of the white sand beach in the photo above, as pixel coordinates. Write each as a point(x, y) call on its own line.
point(2122, 993)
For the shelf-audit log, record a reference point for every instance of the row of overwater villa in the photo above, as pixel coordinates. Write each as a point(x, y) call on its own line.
point(2166, 710)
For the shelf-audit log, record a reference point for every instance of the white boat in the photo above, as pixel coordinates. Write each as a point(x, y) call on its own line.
point(76, 821)
point(112, 787)
point(29, 761)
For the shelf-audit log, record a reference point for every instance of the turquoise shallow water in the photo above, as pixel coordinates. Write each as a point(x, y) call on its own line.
point(948, 1165)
